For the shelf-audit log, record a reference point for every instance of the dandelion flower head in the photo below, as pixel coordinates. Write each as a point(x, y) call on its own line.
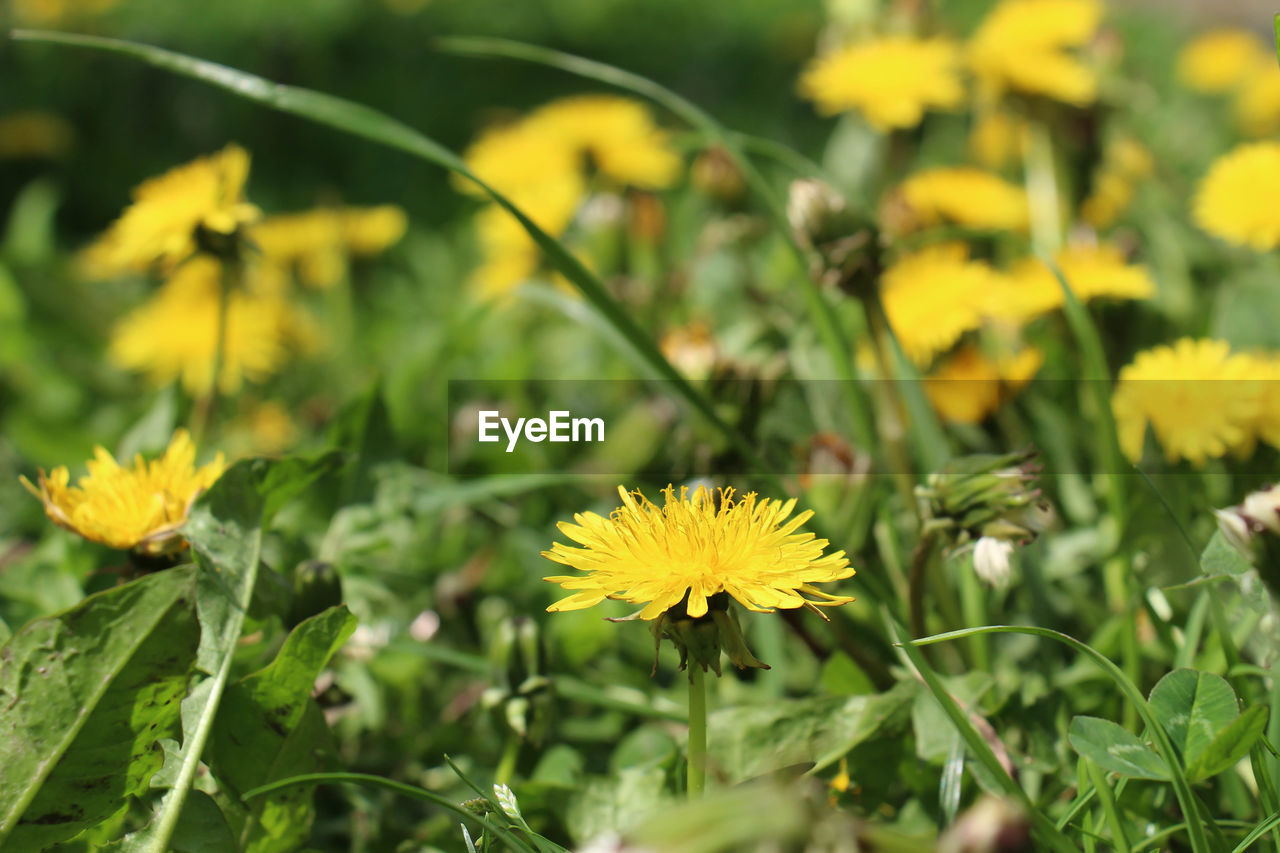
point(160, 227)
point(1257, 102)
point(1023, 46)
point(962, 195)
point(1200, 400)
point(697, 545)
point(129, 508)
point(1220, 59)
point(1236, 199)
point(1093, 272)
point(891, 80)
point(318, 242)
point(969, 385)
point(174, 335)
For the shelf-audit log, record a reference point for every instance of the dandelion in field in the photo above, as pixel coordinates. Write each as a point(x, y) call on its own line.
point(612, 136)
point(175, 334)
point(317, 243)
point(960, 195)
point(891, 80)
point(1093, 272)
point(1200, 400)
point(1220, 60)
point(1024, 46)
point(138, 508)
point(197, 205)
point(969, 386)
point(1236, 199)
point(934, 296)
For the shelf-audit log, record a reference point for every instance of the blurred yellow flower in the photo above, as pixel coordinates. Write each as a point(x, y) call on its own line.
point(1257, 102)
point(129, 508)
point(1220, 60)
point(174, 335)
point(691, 349)
point(1022, 46)
point(53, 11)
point(1093, 272)
point(510, 254)
point(696, 546)
point(997, 138)
point(317, 242)
point(1236, 200)
point(271, 428)
point(1267, 369)
point(161, 225)
point(891, 80)
point(1200, 400)
point(34, 134)
point(969, 386)
point(1125, 162)
point(961, 195)
point(615, 136)
point(934, 296)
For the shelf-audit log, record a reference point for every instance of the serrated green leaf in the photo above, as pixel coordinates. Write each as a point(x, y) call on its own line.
point(1115, 748)
point(264, 731)
point(85, 697)
point(1231, 745)
point(1194, 708)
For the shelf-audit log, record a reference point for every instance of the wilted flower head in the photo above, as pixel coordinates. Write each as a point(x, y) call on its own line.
point(993, 496)
point(891, 80)
point(174, 214)
point(139, 508)
point(1253, 528)
point(846, 246)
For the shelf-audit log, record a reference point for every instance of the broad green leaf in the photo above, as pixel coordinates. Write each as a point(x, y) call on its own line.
point(203, 828)
point(268, 728)
point(225, 531)
point(615, 803)
point(1231, 745)
point(754, 740)
point(1193, 707)
point(85, 697)
point(1115, 748)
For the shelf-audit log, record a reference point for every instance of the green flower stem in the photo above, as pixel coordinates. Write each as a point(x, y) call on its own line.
point(1042, 190)
point(203, 414)
point(916, 581)
point(507, 763)
point(973, 603)
point(697, 731)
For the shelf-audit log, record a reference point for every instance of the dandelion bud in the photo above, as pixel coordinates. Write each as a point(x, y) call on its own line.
point(991, 561)
point(1253, 529)
point(847, 246)
point(984, 495)
point(700, 641)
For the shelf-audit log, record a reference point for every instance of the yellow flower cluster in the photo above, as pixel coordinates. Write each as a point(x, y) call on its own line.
point(1125, 163)
point(543, 163)
point(1022, 46)
point(1236, 199)
point(129, 508)
point(934, 296)
point(1201, 401)
point(175, 334)
point(1234, 62)
point(317, 243)
point(969, 386)
point(890, 80)
point(693, 547)
point(958, 195)
point(162, 226)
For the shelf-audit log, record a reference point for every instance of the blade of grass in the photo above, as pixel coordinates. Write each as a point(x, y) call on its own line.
point(1181, 788)
point(375, 126)
point(1119, 840)
point(396, 787)
point(1045, 829)
point(1257, 832)
point(833, 337)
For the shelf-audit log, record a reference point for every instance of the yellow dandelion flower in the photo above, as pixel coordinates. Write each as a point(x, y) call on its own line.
point(34, 134)
point(510, 256)
point(1022, 46)
point(1220, 59)
point(518, 156)
point(934, 296)
point(1267, 370)
point(271, 428)
point(1257, 103)
point(1093, 272)
point(1236, 199)
point(696, 546)
point(969, 386)
point(1200, 400)
point(318, 242)
point(129, 508)
point(618, 137)
point(161, 225)
point(962, 195)
point(997, 139)
point(175, 334)
point(1124, 162)
point(890, 80)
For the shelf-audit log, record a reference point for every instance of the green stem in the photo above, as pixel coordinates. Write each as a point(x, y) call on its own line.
point(203, 413)
point(507, 763)
point(1042, 190)
point(916, 582)
point(697, 731)
point(973, 603)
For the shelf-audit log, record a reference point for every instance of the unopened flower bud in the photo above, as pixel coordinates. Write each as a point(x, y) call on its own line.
point(1253, 529)
point(991, 561)
point(984, 495)
point(846, 245)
